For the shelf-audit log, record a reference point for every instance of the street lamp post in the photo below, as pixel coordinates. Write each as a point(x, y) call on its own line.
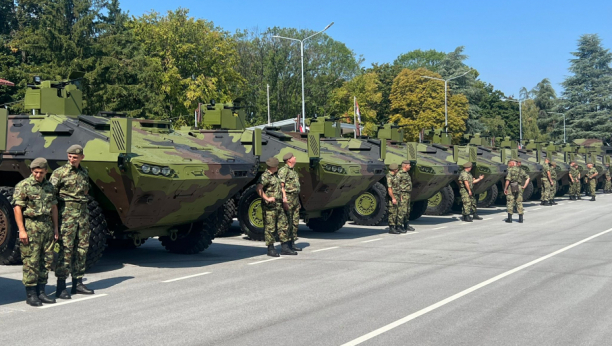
point(446, 95)
point(302, 58)
point(563, 123)
point(520, 102)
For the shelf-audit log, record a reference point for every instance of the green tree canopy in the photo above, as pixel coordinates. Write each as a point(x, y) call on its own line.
point(428, 59)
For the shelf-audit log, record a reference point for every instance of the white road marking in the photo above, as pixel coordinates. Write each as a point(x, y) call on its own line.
point(465, 292)
point(187, 277)
point(409, 233)
point(560, 203)
point(327, 248)
point(536, 208)
point(264, 261)
point(371, 240)
point(489, 218)
point(433, 229)
point(72, 301)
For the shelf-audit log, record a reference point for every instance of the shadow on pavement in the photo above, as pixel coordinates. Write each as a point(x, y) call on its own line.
point(12, 291)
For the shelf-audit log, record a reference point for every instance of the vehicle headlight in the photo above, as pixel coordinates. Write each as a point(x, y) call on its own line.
point(334, 169)
point(166, 171)
point(155, 170)
point(145, 169)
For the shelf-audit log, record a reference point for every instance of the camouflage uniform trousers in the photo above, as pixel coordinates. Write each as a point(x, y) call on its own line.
point(469, 202)
point(274, 224)
point(403, 212)
point(553, 190)
point(393, 212)
point(291, 217)
point(575, 189)
point(74, 240)
point(546, 189)
point(608, 186)
point(37, 256)
point(514, 200)
point(592, 186)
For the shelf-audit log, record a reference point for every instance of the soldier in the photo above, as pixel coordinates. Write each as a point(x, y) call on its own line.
point(553, 186)
point(574, 176)
point(290, 185)
point(608, 186)
point(71, 183)
point(546, 182)
point(517, 179)
point(466, 185)
point(269, 189)
point(393, 188)
point(591, 176)
point(404, 202)
point(35, 203)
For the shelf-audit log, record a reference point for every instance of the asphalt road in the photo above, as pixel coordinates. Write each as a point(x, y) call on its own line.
point(545, 282)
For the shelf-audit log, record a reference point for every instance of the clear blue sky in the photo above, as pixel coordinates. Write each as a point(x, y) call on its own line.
point(512, 44)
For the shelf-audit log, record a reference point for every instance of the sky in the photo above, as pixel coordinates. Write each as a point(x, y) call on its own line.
point(512, 44)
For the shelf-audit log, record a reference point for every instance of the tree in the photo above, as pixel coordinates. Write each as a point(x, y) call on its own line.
point(386, 74)
point(419, 103)
point(366, 87)
point(428, 59)
point(587, 99)
point(501, 118)
point(530, 122)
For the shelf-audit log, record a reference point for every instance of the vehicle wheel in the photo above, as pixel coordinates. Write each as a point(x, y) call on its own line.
point(250, 214)
point(561, 190)
point(223, 218)
point(441, 203)
point(333, 221)
point(9, 234)
point(98, 233)
point(370, 208)
point(417, 210)
point(191, 239)
point(487, 198)
point(528, 192)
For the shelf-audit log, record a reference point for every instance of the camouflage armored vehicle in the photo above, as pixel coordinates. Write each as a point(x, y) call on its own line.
point(330, 177)
point(430, 172)
point(147, 180)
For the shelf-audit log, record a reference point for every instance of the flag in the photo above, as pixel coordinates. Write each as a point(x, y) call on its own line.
point(298, 123)
point(358, 122)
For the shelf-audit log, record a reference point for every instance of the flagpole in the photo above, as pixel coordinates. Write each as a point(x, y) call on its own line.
point(355, 115)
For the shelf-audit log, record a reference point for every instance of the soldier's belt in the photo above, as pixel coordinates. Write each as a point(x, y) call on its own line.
point(74, 203)
point(39, 217)
point(296, 192)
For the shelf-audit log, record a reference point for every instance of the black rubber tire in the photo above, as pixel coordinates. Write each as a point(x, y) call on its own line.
point(336, 220)
point(125, 244)
point(379, 214)
point(447, 198)
point(562, 190)
point(98, 233)
point(252, 231)
point(222, 219)
point(490, 198)
point(528, 192)
point(192, 238)
point(9, 246)
point(417, 209)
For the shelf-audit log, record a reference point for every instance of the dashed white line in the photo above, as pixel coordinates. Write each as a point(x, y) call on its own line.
point(371, 240)
point(327, 248)
point(73, 301)
point(264, 261)
point(433, 229)
point(187, 277)
point(465, 292)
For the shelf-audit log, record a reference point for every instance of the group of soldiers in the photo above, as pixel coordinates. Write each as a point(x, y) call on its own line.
point(53, 222)
point(280, 191)
point(399, 187)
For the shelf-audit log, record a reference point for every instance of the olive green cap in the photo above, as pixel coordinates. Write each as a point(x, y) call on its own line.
point(287, 156)
point(75, 149)
point(553, 163)
point(406, 162)
point(393, 167)
point(272, 162)
point(467, 165)
point(40, 162)
point(518, 160)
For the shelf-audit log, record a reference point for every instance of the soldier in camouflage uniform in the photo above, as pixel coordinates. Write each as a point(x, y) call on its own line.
point(393, 188)
point(592, 177)
point(517, 179)
point(71, 183)
point(36, 216)
point(290, 184)
point(574, 175)
point(608, 186)
point(466, 185)
point(269, 189)
point(403, 216)
point(546, 182)
point(553, 186)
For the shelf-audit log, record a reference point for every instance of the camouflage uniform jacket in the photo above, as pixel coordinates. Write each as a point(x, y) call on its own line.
point(35, 199)
point(591, 172)
point(72, 184)
point(393, 181)
point(545, 168)
point(607, 174)
point(575, 173)
point(271, 185)
point(466, 176)
point(289, 177)
point(405, 182)
point(517, 175)
point(553, 173)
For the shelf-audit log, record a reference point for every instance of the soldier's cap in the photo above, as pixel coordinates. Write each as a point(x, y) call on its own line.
point(518, 160)
point(553, 163)
point(393, 167)
point(406, 162)
point(75, 149)
point(467, 165)
point(510, 160)
point(272, 162)
point(287, 156)
point(40, 162)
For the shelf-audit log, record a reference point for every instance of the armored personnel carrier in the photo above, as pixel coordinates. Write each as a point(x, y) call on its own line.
point(147, 179)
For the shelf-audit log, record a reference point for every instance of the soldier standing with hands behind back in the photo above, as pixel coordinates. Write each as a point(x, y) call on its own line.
point(466, 186)
point(591, 175)
point(518, 180)
point(37, 220)
point(71, 183)
point(290, 184)
point(404, 202)
point(393, 188)
point(546, 182)
point(574, 175)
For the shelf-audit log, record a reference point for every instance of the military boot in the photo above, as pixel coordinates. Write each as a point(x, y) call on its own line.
point(520, 218)
point(285, 250)
point(31, 297)
point(40, 291)
point(592, 198)
point(293, 247)
point(509, 219)
point(546, 203)
point(79, 287)
point(579, 197)
point(60, 290)
point(467, 218)
point(476, 217)
point(393, 230)
point(272, 251)
point(408, 227)
point(552, 202)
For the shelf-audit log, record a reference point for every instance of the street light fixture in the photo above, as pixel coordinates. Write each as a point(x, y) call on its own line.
point(302, 58)
point(520, 102)
point(563, 123)
point(446, 94)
